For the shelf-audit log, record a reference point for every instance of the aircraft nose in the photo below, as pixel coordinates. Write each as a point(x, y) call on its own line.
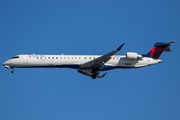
point(4, 64)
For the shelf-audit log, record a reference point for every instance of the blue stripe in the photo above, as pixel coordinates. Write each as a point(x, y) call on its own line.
point(106, 67)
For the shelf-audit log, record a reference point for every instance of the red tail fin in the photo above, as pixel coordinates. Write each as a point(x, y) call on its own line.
point(158, 49)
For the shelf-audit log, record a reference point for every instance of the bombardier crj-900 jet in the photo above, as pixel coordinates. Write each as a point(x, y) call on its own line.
point(90, 65)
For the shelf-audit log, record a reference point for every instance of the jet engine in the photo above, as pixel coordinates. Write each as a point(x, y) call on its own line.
point(133, 56)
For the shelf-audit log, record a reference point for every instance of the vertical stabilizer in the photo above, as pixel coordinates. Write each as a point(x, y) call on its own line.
point(158, 49)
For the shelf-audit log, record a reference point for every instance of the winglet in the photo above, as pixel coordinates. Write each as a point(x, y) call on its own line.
point(104, 74)
point(119, 48)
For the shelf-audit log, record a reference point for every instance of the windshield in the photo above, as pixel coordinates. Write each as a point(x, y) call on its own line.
point(15, 57)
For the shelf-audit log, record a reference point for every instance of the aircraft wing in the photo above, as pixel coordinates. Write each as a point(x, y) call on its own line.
point(97, 64)
point(100, 61)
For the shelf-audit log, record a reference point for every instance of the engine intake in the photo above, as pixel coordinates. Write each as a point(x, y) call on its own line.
point(133, 56)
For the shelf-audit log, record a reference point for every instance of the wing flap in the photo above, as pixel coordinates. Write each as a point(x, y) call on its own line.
point(89, 73)
point(85, 72)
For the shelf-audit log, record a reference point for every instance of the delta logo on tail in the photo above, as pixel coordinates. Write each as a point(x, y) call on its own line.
point(158, 49)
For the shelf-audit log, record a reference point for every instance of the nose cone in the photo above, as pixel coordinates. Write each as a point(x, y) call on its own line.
point(7, 62)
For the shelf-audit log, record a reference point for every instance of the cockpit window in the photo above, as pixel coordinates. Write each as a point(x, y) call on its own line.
point(15, 57)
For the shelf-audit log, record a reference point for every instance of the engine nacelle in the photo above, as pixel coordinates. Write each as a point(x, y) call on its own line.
point(132, 56)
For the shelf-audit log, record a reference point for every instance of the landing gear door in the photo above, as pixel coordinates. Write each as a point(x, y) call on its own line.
point(25, 59)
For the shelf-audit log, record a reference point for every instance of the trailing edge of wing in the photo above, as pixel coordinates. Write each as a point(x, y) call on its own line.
point(89, 73)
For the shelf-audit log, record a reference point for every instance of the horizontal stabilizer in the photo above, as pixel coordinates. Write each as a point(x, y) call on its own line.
point(167, 49)
point(164, 44)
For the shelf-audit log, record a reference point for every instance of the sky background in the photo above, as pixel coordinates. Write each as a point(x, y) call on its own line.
point(89, 27)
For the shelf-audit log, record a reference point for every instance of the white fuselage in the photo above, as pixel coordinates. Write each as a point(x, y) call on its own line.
point(75, 61)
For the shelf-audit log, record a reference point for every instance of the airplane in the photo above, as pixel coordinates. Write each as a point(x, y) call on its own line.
point(90, 65)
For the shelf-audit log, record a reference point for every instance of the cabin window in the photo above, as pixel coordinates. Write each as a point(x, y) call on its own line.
point(56, 57)
point(48, 57)
point(60, 57)
point(85, 58)
point(64, 57)
point(90, 58)
point(79, 57)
